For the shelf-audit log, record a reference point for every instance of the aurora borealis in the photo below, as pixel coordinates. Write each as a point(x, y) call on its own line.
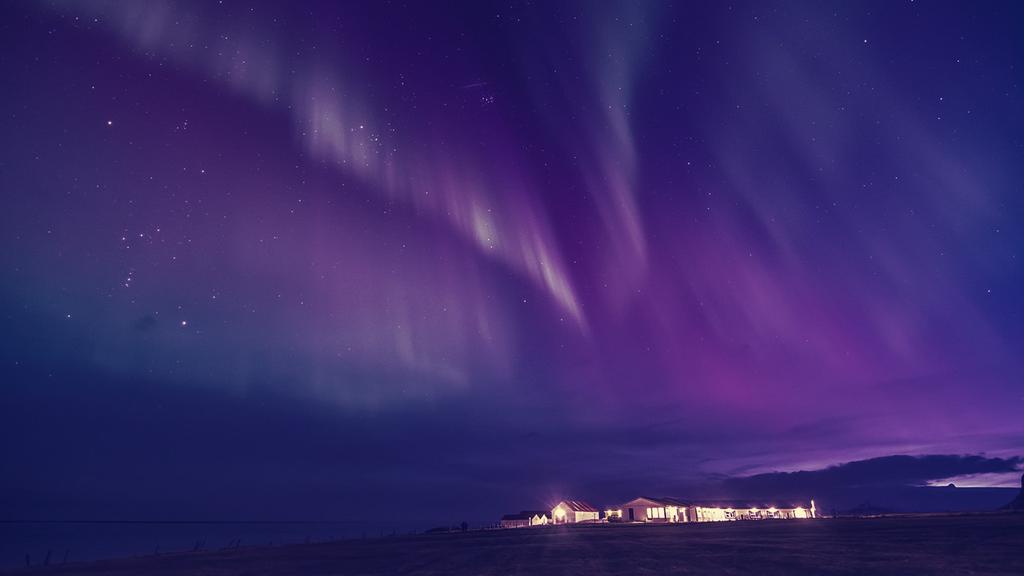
point(272, 260)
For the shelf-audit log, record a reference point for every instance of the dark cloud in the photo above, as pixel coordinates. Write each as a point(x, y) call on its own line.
point(886, 471)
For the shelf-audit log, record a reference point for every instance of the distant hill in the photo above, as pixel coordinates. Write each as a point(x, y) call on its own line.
point(866, 509)
point(883, 499)
point(1018, 502)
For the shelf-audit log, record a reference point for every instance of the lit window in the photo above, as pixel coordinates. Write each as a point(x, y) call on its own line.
point(655, 512)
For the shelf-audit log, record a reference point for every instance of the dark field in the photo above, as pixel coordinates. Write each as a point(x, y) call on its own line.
point(973, 544)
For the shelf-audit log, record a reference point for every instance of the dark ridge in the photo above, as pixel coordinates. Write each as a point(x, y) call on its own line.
point(1018, 502)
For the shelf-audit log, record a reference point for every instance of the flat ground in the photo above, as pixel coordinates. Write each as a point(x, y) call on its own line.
point(975, 544)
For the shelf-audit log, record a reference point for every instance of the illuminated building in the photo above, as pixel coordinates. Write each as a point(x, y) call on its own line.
point(664, 511)
point(646, 509)
point(672, 510)
point(727, 511)
point(573, 511)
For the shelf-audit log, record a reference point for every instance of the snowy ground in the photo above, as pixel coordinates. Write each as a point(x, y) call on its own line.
point(980, 544)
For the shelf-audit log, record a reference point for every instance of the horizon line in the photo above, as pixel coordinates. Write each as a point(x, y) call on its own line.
point(95, 521)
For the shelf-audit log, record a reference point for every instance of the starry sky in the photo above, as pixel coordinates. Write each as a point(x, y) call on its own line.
point(274, 260)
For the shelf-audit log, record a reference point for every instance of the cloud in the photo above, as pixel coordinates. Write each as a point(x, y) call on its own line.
point(898, 470)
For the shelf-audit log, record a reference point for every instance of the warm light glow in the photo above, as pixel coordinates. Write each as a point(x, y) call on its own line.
point(695, 514)
point(655, 512)
point(714, 514)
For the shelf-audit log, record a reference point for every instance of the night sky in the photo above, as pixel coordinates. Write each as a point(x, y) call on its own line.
point(278, 261)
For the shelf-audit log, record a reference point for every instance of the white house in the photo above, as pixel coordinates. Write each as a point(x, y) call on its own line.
point(645, 509)
point(539, 517)
point(573, 511)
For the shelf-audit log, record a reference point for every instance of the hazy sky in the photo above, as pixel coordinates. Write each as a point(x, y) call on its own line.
point(274, 260)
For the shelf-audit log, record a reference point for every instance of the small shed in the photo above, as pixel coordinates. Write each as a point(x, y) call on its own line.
point(525, 519)
point(515, 521)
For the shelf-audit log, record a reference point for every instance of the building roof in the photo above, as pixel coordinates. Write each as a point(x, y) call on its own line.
point(527, 515)
point(665, 501)
point(520, 516)
point(532, 513)
point(737, 504)
point(661, 501)
point(747, 504)
point(576, 506)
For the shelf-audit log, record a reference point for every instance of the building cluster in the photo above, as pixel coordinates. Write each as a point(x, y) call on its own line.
point(659, 510)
